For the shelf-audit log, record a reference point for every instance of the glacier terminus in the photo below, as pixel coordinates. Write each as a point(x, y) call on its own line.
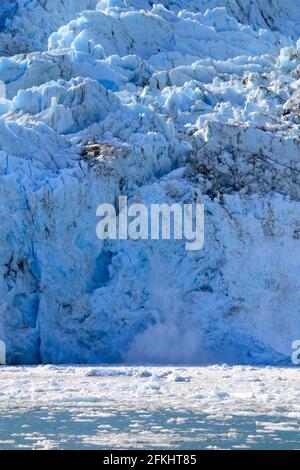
point(171, 102)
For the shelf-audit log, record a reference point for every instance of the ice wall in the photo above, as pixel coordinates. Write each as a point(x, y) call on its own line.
point(187, 101)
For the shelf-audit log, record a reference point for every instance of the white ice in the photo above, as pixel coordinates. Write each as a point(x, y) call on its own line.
point(268, 397)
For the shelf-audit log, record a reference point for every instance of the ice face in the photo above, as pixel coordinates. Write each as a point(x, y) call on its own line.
point(186, 101)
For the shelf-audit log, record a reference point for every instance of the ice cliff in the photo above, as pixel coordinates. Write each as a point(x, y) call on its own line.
point(188, 100)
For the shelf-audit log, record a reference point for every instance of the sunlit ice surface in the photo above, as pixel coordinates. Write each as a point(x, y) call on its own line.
point(216, 407)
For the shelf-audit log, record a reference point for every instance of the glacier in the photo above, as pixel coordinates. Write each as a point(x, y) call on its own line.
point(188, 100)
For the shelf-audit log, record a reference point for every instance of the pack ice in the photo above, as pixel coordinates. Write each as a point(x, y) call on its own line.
point(186, 100)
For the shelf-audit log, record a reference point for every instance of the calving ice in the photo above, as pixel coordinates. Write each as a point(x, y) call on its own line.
point(161, 222)
point(174, 122)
